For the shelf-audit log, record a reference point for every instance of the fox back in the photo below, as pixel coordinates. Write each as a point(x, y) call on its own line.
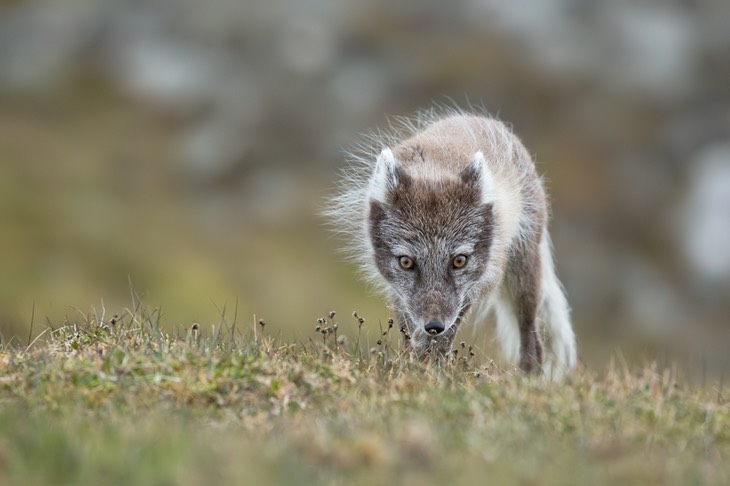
point(450, 215)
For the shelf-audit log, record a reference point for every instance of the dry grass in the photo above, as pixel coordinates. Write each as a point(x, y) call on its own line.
point(118, 400)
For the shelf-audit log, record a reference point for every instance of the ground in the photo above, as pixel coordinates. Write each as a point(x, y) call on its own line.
point(120, 401)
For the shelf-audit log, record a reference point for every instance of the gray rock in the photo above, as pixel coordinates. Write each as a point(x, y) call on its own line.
point(41, 44)
point(706, 215)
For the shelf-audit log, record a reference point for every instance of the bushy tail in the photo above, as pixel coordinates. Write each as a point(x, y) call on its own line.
point(554, 318)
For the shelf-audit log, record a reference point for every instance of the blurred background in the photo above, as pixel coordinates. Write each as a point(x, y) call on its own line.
point(187, 146)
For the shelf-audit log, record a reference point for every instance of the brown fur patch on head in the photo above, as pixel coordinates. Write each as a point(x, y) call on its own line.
point(441, 208)
point(423, 212)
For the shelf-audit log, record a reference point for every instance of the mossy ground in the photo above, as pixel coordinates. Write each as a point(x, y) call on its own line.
point(120, 401)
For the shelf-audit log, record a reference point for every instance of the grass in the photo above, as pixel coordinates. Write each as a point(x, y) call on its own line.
point(120, 401)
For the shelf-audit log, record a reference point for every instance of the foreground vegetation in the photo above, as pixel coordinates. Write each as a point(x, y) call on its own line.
point(119, 401)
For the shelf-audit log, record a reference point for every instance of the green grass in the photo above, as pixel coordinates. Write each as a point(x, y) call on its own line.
point(126, 403)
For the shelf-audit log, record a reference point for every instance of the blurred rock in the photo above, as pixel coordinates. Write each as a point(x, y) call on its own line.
point(649, 303)
point(212, 152)
point(645, 50)
point(706, 215)
point(167, 74)
point(650, 50)
point(307, 48)
point(41, 44)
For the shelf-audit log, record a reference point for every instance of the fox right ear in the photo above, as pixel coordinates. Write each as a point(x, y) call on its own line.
point(478, 176)
point(388, 175)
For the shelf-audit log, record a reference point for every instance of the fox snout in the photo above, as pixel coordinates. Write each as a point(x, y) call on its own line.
point(436, 313)
point(431, 317)
point(435, 327)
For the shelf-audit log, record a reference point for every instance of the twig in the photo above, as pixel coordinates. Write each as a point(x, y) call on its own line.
point(32, 318)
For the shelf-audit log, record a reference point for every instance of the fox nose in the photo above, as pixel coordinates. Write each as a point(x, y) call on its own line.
point(435, 327)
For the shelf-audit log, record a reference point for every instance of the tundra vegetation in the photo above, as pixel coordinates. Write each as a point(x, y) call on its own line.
point(119, 400)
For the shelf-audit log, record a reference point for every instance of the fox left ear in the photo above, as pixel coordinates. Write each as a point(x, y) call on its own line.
point(387, 176)
point(478, 175)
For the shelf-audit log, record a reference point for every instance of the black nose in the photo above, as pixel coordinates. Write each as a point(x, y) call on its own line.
point(435, 327)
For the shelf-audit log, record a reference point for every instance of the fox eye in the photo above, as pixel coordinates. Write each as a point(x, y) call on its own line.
point(459, 261)
point(406, 262)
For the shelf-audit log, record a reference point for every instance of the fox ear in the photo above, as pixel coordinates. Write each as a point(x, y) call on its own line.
point(478, 175)
point(388, 175)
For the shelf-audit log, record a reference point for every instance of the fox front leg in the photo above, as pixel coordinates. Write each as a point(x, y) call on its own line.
point(524, 284)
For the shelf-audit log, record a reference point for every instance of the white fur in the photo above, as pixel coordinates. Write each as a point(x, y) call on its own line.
point(485, 177)
point(508, 329)
point(384, 178)
point(554, 318)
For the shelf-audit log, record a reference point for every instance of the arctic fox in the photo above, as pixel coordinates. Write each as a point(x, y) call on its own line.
point(450, 216)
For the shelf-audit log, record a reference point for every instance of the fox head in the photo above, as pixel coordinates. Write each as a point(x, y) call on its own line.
point(431, 239)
